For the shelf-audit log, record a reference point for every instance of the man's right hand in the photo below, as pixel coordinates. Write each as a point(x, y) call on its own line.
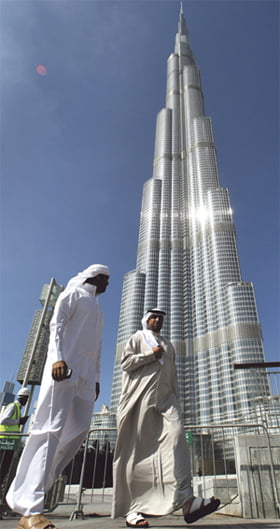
point(23, 419)
point(59, 370)
point(158, 351)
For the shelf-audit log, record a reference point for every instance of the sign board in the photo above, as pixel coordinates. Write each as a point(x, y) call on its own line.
point(40, 353)
point(8, 443)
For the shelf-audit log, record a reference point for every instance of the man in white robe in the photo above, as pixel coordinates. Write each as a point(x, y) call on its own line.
point(65, 404)
point(151, 470)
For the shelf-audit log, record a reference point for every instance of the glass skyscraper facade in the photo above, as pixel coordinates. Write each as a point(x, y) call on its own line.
point(187, 259)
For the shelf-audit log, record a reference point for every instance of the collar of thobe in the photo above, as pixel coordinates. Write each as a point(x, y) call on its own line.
point(149, 338)
point(90, 288)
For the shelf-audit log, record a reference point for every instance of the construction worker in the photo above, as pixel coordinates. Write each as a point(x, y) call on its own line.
point(11, 422)
point(10, 418)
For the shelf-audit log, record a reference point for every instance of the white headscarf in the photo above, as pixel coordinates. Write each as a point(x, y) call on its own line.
point(148, 335)
point(148, 314)
point(91, 271)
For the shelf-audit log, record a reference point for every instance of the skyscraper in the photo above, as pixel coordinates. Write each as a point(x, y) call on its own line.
point(187, 260)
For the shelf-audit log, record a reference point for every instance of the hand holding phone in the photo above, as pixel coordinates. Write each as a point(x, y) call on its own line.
point(60, 371)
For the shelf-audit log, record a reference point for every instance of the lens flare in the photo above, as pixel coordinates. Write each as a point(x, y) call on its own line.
point(41, 69)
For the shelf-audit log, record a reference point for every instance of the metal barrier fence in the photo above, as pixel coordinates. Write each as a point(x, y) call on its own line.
point(239, 463)
point(267, 406)
point(101, 455)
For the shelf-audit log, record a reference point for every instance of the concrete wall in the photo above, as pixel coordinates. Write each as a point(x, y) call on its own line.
point(258, 479)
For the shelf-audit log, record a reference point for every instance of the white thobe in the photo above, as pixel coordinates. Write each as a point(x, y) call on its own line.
point(151, 467)
point(64, 408)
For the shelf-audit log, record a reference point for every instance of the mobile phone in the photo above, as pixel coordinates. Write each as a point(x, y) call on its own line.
point(68, 373)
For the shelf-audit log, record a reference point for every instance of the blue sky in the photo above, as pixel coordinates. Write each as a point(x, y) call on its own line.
point(77, 144)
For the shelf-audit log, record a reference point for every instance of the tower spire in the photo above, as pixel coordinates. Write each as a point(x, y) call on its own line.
point(182, 29)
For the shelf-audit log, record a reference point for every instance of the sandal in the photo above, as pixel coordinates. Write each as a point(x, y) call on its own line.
point(201, 507)
point(36, 521)
point(135, 519)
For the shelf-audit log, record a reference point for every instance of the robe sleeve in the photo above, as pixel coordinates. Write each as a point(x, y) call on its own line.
point(133, 357)
point(64, 309)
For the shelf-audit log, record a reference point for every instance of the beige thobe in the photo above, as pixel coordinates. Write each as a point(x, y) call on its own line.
point(151, 463)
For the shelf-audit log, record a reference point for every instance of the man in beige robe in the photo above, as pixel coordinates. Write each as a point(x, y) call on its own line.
point(151, 464)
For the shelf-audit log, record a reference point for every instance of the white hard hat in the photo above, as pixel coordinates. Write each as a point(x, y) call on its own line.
point(23, 392)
